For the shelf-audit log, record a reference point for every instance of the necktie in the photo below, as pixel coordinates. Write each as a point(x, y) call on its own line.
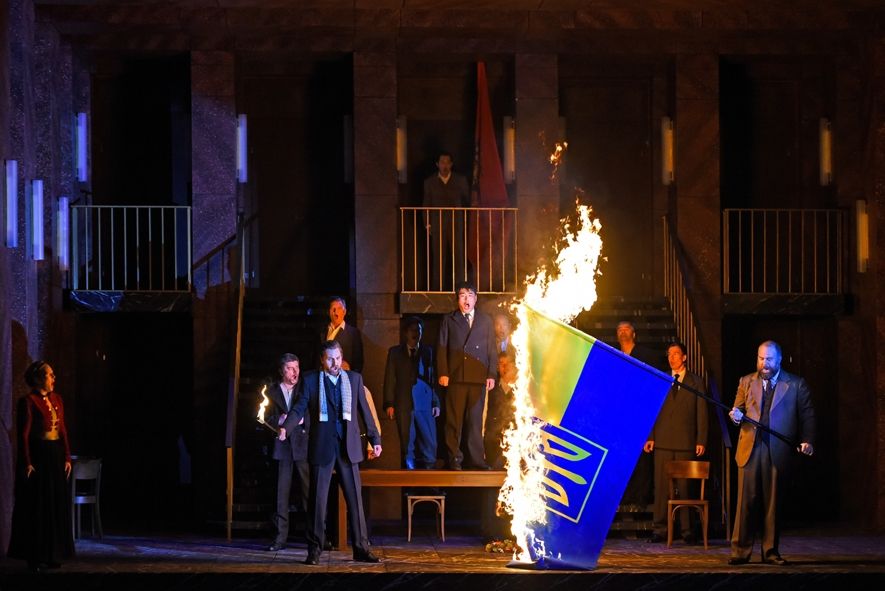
point(765, 416)
point(469, 320)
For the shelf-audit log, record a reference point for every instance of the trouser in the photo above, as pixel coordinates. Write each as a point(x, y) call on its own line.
point(759, 502)
point(417, 436)
point(285, 468)
point(662, 489)
point(464, 408)
point(349, 479)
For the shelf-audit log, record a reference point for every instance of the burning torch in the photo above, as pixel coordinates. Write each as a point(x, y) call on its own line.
point(262, 408)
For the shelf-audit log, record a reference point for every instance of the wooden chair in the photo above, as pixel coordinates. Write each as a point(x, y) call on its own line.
point(690, 470)
point(439, 499)
point(88, 471)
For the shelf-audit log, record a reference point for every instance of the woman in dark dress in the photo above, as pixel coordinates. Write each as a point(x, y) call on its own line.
point(41, 519)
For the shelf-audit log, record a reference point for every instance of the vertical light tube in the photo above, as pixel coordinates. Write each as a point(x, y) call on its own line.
point(62, 232)
point(37, 249)
point(668, 173)
point(826, 152)
point(82, 147)
point(242, 149)
point(862, 220)
point(11, 203)
point(509, 150)
point(402, 147)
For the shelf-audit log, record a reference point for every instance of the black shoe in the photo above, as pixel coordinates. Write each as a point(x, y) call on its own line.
point(775, 559)
point(365, 556)
point(656, 539)
point(735, 560)
point(328, 545)
point(276, 547)
point(313, 558)
point(454, 466)
point(409, 464)
point(479, 467)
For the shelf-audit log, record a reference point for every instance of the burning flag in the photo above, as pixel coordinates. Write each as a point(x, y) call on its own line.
point(583, 411)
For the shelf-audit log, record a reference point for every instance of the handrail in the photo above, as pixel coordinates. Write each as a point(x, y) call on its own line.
point(234, 389)
point(442, 246)
point(687, 331)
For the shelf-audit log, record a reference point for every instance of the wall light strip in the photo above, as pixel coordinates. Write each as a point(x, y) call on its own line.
point(37, 248)
point(63, 248)
point(82, 147)
point(11, 203)
point(242, 149)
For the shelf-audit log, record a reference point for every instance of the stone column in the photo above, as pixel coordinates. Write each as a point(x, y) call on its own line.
point(697, 203)
point(537, 112)
point(214, 210)
point(376, 220)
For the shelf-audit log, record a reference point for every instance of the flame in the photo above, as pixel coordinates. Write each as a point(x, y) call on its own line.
point(263, 406)
point(561, 291)
point(556, 157)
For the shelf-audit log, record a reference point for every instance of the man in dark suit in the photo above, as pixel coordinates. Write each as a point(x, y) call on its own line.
point(291, 453)
point(334, 397)
point(347, 335)
point(448, 192)
point(782, 401)
point(410, 397)
point(467, 367)
point(680, 433)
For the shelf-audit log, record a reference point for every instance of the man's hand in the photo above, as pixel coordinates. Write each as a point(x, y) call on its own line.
point(377, 451)
point(736, 416)
point(282, 436)
point(68, 469)
point(390, 412)
point(30, 470)
point(806, 448)
point(435, 411)
point(490, 384)
point(649, 446)
point(444, 381)
point(699, 450)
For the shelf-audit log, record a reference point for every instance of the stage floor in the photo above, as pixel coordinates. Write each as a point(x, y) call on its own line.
point(817, 560)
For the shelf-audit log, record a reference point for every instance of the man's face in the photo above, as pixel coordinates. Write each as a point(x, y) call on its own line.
point(444, 165)
point(337, 312)
point(413, 336)
point(676, 358)
point(502, 327)
point(47, 381)
point(466, 300)
point(332, 361)
point(289, 372)
point(768, 362)
point(507, 370)
point(626, 334)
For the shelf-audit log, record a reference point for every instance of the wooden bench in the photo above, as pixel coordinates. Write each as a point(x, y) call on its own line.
point(417, 478)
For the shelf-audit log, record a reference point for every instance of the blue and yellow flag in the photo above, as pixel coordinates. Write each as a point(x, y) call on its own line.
point(598, 407)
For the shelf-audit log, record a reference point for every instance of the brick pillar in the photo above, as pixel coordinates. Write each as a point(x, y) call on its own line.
point(376, 219)
point(697, 203)
point(537, 112)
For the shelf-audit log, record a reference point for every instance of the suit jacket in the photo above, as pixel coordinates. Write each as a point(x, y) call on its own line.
point(295, 445)
point(682, 422)
point(791, 414)
point(455, 193)
point(407, 380)
point(465, 354)
point(323, 437)
point(351, 341)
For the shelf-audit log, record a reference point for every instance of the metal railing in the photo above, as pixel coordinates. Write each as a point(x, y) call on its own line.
point(783, 251)
point(687, 331)
point(442, 246)
point(131, 248)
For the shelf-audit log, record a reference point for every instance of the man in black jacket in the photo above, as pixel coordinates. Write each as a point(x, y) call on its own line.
point(334, 397)
point(467, 367)
point(347, 335)
point(291, 453)
point(410, 397)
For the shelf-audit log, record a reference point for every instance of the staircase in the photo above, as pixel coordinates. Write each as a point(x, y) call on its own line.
point(655, 329)
point(271, 327)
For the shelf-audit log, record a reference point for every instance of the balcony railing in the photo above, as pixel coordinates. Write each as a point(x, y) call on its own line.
point(783, 251)
point(440, 247)
point(131, 248)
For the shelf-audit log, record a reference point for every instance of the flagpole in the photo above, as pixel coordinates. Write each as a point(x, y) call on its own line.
point(745, 418)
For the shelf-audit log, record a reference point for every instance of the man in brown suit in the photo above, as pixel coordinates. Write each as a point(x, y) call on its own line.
point(680, 433)
point(782, 401)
